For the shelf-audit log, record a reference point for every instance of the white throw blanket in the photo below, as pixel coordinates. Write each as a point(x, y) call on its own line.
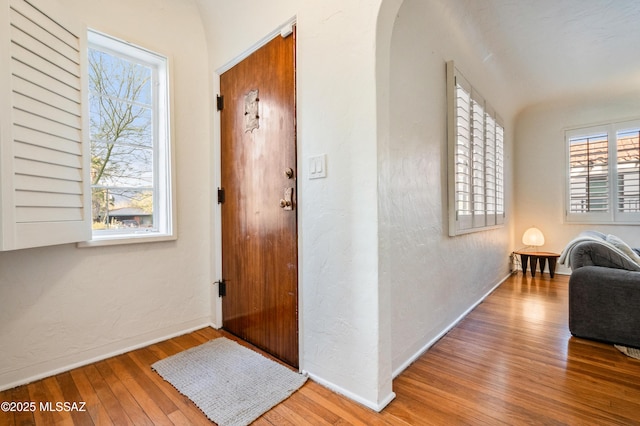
point(565, 256)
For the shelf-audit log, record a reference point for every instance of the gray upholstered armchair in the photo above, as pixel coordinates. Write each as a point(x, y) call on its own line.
point(604, 289)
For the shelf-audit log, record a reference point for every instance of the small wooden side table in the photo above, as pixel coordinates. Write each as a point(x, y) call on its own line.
point(533, 257)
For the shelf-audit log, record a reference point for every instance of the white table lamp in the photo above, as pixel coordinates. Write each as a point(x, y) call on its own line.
point(533, 237)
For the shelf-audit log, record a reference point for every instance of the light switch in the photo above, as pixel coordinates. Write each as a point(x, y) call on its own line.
point(318, 166)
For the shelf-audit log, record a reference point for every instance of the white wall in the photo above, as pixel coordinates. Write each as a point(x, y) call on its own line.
point(541, 172)
point(435, 278)
point(64, 305)
point(340, 325)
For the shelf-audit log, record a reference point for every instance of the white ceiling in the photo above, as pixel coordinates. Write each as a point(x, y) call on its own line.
point(558, 48)
point(552, 49)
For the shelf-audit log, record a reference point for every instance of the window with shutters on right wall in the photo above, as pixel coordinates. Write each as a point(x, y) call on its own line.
point(603, 173)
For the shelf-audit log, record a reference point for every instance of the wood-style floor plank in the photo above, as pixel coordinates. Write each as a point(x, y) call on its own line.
point(54, 392)
point(140, 394)
point(113, 406)
point(88, 394)
point(144, 358)
point(511, 361)
point(37, 393)
point(71, 395)
point(20, 394)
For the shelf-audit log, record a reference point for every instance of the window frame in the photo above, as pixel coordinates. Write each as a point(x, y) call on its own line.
point(482, 206)
point(164, 211)
point(612, 216)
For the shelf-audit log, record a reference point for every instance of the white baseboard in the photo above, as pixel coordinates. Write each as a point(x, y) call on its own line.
point(357, 398)
point(60, 365)
point(430, 343)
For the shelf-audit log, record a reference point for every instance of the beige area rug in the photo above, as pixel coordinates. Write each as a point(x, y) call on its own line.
point(631, 352)
point(230, 383)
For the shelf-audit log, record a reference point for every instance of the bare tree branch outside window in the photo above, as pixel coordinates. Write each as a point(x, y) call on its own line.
point(121, 115)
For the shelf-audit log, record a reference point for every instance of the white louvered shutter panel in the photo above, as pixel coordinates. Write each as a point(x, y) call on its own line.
point(490, 166)
point(476, 158)
point(478, 164)
point(500, 208)
point(44, 155)
point(463, 156)
point(627, 194)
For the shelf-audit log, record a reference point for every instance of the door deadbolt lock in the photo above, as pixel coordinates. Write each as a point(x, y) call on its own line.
point(288, 172)
point(287, 202)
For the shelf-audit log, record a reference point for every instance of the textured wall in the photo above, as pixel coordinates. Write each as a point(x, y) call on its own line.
point(64, 305)
point(435, 278)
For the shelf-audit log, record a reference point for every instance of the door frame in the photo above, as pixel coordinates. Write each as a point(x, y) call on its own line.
point(216, 226)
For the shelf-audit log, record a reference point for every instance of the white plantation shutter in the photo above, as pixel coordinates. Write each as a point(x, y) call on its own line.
point(44, 154)
point(627, 194)
point(603, 179)
point(490, 165)
point(476, 159)
point(478, 162)
point(462, 154)
point(500, 208)
point(589, 173)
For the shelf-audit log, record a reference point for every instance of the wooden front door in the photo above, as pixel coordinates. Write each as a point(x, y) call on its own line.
point(259, 212)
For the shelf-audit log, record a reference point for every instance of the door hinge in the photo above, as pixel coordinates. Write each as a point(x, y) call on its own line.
point(222, 288)
point(219, 102)
point(220, 195)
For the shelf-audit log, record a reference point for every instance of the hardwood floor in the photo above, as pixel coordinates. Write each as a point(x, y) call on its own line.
point(511, 361)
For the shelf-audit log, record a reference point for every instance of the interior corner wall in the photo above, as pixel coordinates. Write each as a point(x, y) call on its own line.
point(540, 156)
point(385, 25)
point(337, 215)
point(435, 279)
point(64, 306)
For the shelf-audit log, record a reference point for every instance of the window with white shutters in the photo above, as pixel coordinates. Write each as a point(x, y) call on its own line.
point(44, 160)
point(476, 159)
point(603, 173)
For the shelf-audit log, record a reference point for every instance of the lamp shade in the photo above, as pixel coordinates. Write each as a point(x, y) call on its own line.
point(533, 237)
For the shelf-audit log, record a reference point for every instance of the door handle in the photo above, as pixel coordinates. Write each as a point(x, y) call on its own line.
point(287, 202)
